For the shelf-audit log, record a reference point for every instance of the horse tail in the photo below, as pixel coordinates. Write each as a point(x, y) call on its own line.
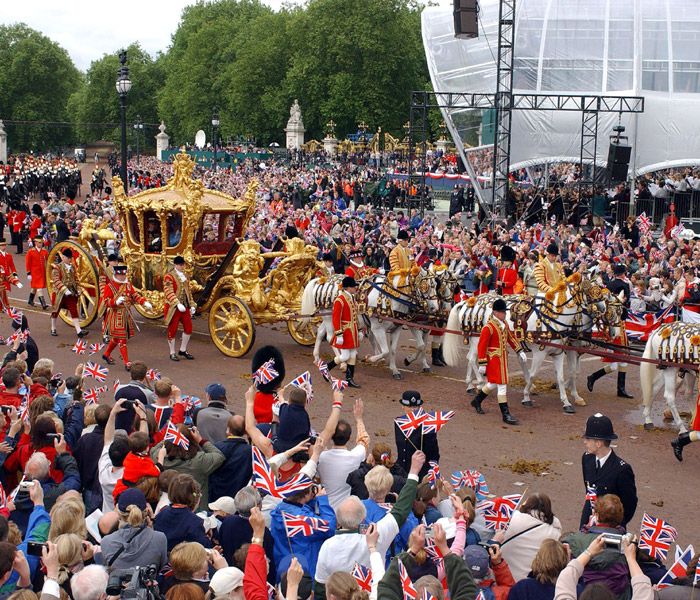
point(308, 302)
point(453, 348)
point(647, 371)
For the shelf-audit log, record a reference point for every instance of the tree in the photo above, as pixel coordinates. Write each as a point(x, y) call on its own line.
point(36, 79)
point(95, 107)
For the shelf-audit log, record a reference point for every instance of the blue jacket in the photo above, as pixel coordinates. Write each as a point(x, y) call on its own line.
point(181, 525)
point(236, 471)
point(306, 546)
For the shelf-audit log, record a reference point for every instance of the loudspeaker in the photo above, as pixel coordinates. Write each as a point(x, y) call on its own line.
point(465, 13)
point(618, 162)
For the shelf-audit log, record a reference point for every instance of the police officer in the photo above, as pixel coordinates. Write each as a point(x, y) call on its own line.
point(620, 287)
point(603, 471)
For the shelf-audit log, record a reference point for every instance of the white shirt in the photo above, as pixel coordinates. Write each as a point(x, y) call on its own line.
point(601, 461)
point(108, 479)
point(334, 466)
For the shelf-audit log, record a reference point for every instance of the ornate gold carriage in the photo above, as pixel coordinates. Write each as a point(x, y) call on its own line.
point(233, 281)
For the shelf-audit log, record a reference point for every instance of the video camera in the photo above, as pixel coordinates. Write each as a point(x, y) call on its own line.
point(138, 583)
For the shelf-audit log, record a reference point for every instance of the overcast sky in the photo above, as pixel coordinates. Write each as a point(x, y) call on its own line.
point(88, 29)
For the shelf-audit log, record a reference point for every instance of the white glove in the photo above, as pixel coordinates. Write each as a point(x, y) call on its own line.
point(181, 307)
point(29, 277)
point(482, 370)
point(522, 356)
point(120, 300)
point(148, 306)
point(68, 293)
point(19, 285)
point(193, 310)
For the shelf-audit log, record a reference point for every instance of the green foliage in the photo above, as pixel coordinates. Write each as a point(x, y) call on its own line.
point(36, 79)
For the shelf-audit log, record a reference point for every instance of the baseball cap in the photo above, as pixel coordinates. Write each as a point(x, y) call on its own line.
point(477, 559)
point(225, 580)
point(131, 496)
point(216, 391)
point(225, 504)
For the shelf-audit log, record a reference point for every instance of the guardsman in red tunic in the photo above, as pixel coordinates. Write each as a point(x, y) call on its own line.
point(66, 292)
point(494, 340)
point(346, 337)
point(119, 297)
point(8, 275)
point(35, 262)
point(690, 436)
point(179, 307)
point(507, 273)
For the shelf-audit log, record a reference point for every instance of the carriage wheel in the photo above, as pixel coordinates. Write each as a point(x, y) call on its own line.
point(303, 331)
point(87, 278)
point(231, 326)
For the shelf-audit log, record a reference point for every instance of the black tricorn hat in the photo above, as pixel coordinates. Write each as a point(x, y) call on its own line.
point(67, 252)
point(178, 260)
point(120, 268)
point(507, 253)
point(402, 235)
point(599, 427)
point(260, 358)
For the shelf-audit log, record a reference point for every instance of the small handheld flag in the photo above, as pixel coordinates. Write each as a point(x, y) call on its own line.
point(302, 525)
point(363, 576)
point(79, 347)
point(173, 435)
point(153, 374)
point(409, 591)
point(94, 370)
point(266, 373)
point(338, 385)
point(656, 537)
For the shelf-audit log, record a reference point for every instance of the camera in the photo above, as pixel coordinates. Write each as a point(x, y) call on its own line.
point(6, 410)
point(138, 583)
point(617, 541)
point(429, 532)
point(362, 528)
point(26, 485)
point(35, 548)
point(53, 436)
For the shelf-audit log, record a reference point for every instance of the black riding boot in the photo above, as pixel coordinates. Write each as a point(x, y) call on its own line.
point(437, 360)
point(621, 391)
point(350, 376)
point(508, 419)
point(679, 443)
point(43, 303)
point(476, 402)
point(593, 377)
point(31, 299)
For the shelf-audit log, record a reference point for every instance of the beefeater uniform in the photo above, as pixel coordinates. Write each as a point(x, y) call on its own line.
point(106, 275)
point(118, 323)
point(359, 272)
point(8, 278)
point(176, 286)
point(63, 279)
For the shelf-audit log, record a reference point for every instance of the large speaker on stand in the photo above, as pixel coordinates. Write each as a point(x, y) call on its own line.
point(466, 18)
point(619, 154)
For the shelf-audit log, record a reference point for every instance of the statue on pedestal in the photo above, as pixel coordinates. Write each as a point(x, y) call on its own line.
point(295, 127)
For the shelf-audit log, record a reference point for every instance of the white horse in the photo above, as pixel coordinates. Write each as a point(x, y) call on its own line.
point(546, 319)
point(421, 298)
point(676, 343)
point(319, 295)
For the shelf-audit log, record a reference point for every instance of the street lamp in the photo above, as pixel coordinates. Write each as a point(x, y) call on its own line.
point(138, 126)
point(123, 87)
point(215, 127)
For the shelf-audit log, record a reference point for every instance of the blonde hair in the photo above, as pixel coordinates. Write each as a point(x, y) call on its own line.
point(23, 595)
point(133, 516)
point(378, 482)
point(344, 587)
point(67, 516)
point(186, 558)
point(14, 535)
point(89, 416)
point(549, 561)
point(70, 552)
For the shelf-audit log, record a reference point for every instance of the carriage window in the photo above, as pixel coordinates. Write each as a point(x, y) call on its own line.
point(154, 241)
point(134, 227)
point(174, 230)
point(233, 227)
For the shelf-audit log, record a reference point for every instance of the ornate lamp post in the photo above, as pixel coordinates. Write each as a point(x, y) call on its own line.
point(123, 86)
point(138, 127)
point(215, 128)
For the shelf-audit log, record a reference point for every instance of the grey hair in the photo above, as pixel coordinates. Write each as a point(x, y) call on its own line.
point(45, 363)
point(90, 583)
point(37, 466)
point(350, 513)
point(427, 582)
point(246, 499)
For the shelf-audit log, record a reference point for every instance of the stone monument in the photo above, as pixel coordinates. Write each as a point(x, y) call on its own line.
point(443, 143)
point(3, 143)
point(162, 141)
point(295, 128)
point(330, 142)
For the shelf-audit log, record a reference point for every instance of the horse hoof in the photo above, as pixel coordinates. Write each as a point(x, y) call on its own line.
point(426, 370)
point(471, 390)
point(527, 403)
point(580, 402)
point(406, 362)
point(396, 376)
point(648, 426)
point(569, 410)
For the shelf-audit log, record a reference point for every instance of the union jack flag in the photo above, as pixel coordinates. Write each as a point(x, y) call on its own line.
point(436, 420)
point(363, 576)
point(409, 592)
point(472, 479)
point(14, 314)
point(271, 592)
point(411, 421)
point(91, 396)
point(153, 374)
point(678, 570)
point(79, 347)
point(302, 525)
point(24, 412)
point(480, 595)
point(115, 385)
point(94, 370)
point(3, 497)
point(696, 577)
point(191, 403)
point(322, 368)
point(677, 230)
point(266, 373)
point(303, 381)
point(433, 473)
point(591, 494)
point(432, 550)
point(173, 435)
point(498, 512)
point(338, 385)
point(94, 348)
point(656, 537)
point(644, 223)
point(264, 479)
point(640, 326)
point(159, 412)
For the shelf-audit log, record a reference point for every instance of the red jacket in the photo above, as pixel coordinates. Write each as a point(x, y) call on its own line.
point(35, 263)
point(135, 467)
point(17, 461)
point(493, 351)
point(262, 407)
point(345, 322)
point(509, 276)
point(255, 574)
point(500, 587)
point(10, 399)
